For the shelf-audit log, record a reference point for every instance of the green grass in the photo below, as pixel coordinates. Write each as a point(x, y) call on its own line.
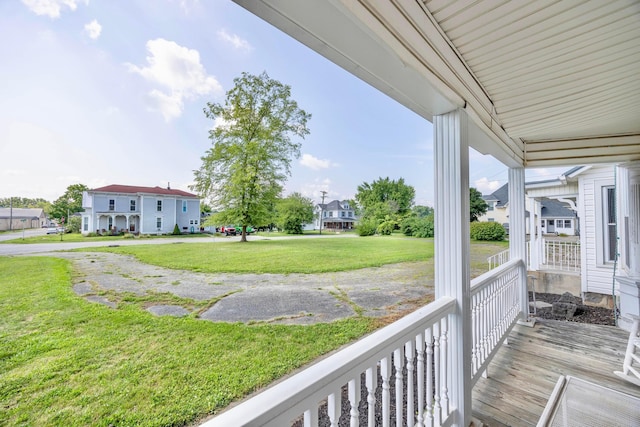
point(282, 256)
point(65, 361)
point(77, 237)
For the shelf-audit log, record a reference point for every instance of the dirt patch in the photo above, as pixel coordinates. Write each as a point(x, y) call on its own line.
point(583, 314)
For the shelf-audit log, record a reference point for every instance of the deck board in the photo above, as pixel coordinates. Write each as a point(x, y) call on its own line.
point(524, 372)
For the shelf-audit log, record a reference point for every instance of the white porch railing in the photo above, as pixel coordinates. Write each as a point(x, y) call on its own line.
point(407, 361)
point(495, 308)
point(557, 255)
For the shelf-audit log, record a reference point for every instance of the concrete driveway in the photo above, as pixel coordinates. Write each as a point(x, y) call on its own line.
point(274, 298)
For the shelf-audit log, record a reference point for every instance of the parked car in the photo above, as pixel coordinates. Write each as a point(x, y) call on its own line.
point(54, 230)
point(228, 230)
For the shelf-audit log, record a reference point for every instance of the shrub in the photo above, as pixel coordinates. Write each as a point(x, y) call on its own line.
point(487, 231)
point(176, 230)
point(366, 228)
point(386, 227)
point(418, 227)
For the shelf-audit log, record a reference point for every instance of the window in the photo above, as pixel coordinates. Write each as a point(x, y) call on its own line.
point(184, 206)
point(491, 219)
point(110, 223)
point(490, 208)
point(132, 205)
point(85, 223)
point(350, 214)
point(331, 214)
point(112, 205)
point(609, 226)
point(550, 222)
point(343, 214)
point(325, 214)
point(159, 208)
point(567, 223)
point(159, 223)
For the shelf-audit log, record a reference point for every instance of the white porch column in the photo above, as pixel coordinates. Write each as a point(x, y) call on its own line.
point(452, 275)
point(517, 236)
point(628, 225)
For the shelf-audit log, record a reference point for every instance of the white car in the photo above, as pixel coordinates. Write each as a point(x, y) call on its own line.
point(54, 230)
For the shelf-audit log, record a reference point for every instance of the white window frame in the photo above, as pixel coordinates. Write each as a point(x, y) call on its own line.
point(112, 205)
point(159, 223)
point(159, 205)
point(602, 233)
point(184, 206)
point(85, 223)
point(132, 205)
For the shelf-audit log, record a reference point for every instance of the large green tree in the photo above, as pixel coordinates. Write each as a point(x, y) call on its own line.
point(69, 203)
point(385, 198)
point(294, 211)
point(477, 205)
point(243, 173)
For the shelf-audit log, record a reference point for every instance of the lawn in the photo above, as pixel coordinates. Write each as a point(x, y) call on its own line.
point(65, 361)
point(302, 255)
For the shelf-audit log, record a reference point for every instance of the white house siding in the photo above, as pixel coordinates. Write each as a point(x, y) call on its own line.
point(499, 215)
point(597, 276)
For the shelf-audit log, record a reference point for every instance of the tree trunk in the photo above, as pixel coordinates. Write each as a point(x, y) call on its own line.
point(244, 234)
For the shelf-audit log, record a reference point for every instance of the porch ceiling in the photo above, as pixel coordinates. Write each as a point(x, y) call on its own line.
point(545, 82)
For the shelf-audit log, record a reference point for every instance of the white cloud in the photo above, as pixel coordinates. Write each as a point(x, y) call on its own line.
point(485, 186)
point(93, 29)
point(51, 8)
point(314, 163)
point(178, 71)
point(235, 40)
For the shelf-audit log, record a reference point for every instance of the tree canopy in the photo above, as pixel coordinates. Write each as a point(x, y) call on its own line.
point(477, 205)
point(385, 197)
point(25, 202)
point(243, 173)
point(69, 203)
point(294, 211)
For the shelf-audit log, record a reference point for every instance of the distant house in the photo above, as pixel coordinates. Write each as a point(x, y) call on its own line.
point(335, 216)
point(17, 218)
point(146, 210)
point(556, 217)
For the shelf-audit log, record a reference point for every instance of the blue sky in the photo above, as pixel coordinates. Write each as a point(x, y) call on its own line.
point(112, 92)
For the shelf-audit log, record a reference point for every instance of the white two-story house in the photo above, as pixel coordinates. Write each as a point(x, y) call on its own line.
point(335, 216)
point(146, 210)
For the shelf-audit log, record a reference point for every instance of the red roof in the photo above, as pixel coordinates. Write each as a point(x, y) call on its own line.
point(132, 189)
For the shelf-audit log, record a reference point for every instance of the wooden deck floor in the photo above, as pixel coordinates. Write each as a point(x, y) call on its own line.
point(524, 372)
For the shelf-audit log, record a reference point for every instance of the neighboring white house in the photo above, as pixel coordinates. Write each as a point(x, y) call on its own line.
point(336, 215)
point(556, 217)
point(145, 210)
point(18, 218)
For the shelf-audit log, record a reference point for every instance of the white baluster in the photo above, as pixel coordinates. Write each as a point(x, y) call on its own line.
point(437, 410)
point(445, 364)
point(311, 417)
point(354, 400)
point(409, 353)
point(385, 372)
point(398, 362)
point(332, 410)
point(421, 384)
point(428, 418)
point(370, 381)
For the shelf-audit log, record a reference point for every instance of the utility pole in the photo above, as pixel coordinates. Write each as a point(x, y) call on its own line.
point(324, 193)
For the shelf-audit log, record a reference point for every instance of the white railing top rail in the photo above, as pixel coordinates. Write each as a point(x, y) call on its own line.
point(288, 399)
point(489, 277)
point(498, 259)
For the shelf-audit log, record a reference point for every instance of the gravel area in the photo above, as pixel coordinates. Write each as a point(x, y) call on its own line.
point(583, 314)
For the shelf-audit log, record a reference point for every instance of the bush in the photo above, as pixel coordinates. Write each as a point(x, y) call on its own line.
point(487, 231)
point(366, 228)
point(418, 227)
point(386, 227)
point(176, 230)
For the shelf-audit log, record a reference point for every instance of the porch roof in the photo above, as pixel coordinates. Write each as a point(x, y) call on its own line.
point(544, 82)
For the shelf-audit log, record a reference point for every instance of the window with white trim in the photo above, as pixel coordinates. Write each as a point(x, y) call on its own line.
point(85, 223)
point(110, 222)
point(159, 206)
point(159, 223)
point(609, 223)
point(184, 206)
point(112, 204)
point(132, 205)
point(567, 223)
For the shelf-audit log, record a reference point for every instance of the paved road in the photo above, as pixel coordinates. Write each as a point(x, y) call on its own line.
point(274, 298)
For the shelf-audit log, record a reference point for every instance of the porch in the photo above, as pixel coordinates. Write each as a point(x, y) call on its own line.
point(524, 371)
